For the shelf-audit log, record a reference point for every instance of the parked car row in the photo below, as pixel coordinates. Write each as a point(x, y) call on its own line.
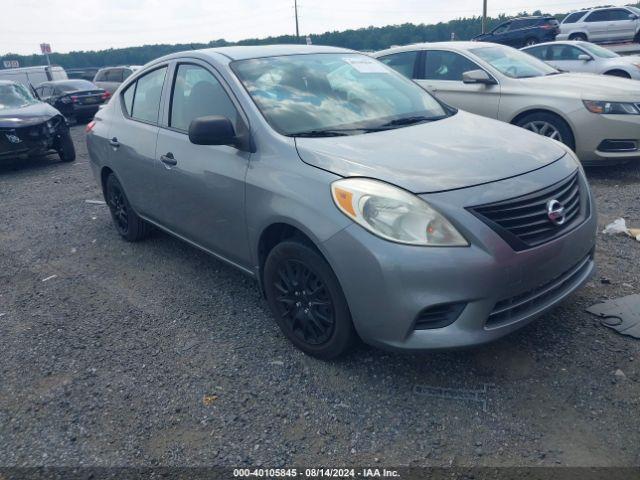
point(601, 25)
point(363, 205)
point(597, 117)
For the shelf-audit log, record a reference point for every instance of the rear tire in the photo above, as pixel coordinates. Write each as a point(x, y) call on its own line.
point(307, 301)
point(65, 148)
point(548, 125)
point(618, 73)
point(579, 37)
point(128, 224)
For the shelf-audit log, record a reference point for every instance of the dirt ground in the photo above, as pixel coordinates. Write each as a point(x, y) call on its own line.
point(156, 354)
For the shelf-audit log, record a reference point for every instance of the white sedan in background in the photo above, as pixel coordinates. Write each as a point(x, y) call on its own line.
point(597, 116)
point(586, 57)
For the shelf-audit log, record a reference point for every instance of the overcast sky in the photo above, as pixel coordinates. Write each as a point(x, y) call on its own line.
point(98, 24)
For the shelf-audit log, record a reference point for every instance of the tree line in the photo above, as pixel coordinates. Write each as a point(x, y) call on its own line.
point(364, 39)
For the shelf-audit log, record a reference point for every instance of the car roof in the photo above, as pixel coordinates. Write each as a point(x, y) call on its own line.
point(533, 17)
point(70, 81)
point(257, 51)
point(466, 45)
point(8, 82)
point(578, 43)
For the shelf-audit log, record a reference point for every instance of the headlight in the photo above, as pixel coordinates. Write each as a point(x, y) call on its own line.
point(394, 214)
point(613, 108)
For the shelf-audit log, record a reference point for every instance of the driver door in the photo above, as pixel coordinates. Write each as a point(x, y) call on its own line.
point(441, 74)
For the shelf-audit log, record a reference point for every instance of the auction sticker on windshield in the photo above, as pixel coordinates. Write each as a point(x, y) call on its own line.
point(366, 65)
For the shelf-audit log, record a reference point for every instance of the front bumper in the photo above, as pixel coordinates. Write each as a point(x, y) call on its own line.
point(387, 285)
point(31, 140)
point(592, 129)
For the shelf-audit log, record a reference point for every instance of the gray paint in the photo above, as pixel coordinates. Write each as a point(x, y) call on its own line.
point(222, 200)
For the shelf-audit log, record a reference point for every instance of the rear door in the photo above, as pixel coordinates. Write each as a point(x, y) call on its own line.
point(202, 187)
point(133, 139)
point(441, 74)
point(598, 26)
point(622, 25)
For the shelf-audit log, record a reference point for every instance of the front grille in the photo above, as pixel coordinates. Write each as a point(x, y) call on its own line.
point(520, 306)
point(524, 222)
point(438, 316)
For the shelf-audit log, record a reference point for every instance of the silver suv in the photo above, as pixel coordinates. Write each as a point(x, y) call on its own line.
point(600, 25)
point(360, 204)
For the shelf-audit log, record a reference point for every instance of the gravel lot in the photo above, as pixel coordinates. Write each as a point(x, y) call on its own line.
point(156, 354)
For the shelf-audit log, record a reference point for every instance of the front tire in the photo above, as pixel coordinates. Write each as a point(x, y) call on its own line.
point(128, 224)
point(548, 125)
point(529, 42)
point(65, 148)
point(307, 301)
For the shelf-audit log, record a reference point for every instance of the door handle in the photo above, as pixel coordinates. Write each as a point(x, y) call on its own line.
point(168, 159)
point(114, 142)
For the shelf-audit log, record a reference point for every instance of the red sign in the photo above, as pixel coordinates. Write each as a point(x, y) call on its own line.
point(45, 48)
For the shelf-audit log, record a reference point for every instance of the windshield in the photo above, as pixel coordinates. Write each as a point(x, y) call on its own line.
point(598, 51)
point(514, 63)
point(15, 95)
point(334, 94)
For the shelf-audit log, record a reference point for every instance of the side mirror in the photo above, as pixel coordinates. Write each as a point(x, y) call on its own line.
point(633, 16)
point(478, 76)
point(212, 130)
point(585, 58)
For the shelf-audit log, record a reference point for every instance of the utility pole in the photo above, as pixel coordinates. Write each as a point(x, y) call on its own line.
point(484, 16)
point(295, 6)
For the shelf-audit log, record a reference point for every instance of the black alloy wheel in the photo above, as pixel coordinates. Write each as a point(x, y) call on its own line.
point(304, 302)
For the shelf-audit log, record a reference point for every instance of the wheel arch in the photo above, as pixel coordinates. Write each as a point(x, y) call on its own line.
point(520, 115)
point(104, 174)
point(278, 231)
point(615, 71)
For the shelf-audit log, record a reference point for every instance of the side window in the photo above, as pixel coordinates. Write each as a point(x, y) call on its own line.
point(114, 75)
point(501, 28)
point(598, 16)
point(402, 62)
point(442, 65)
point(538, 52)
point(197, 93)
point(126, 73)
point(564, 52)
point(573, 18)
point(100, 76)
point(146, 99)
point(618, 15)
point(127, 96)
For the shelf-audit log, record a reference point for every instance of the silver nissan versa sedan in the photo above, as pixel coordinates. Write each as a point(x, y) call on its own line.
point(362, 206)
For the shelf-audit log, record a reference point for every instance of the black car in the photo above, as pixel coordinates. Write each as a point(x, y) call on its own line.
point(78, 99)
point(523, 32)
point(30, 127)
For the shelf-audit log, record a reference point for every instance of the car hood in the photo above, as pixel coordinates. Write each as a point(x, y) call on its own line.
point(460, 151)
point(25, 116)
point(589, 86)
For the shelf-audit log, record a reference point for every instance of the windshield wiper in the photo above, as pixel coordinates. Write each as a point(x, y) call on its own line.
point(399, 122)
point(320, 133)
point(336, 132)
